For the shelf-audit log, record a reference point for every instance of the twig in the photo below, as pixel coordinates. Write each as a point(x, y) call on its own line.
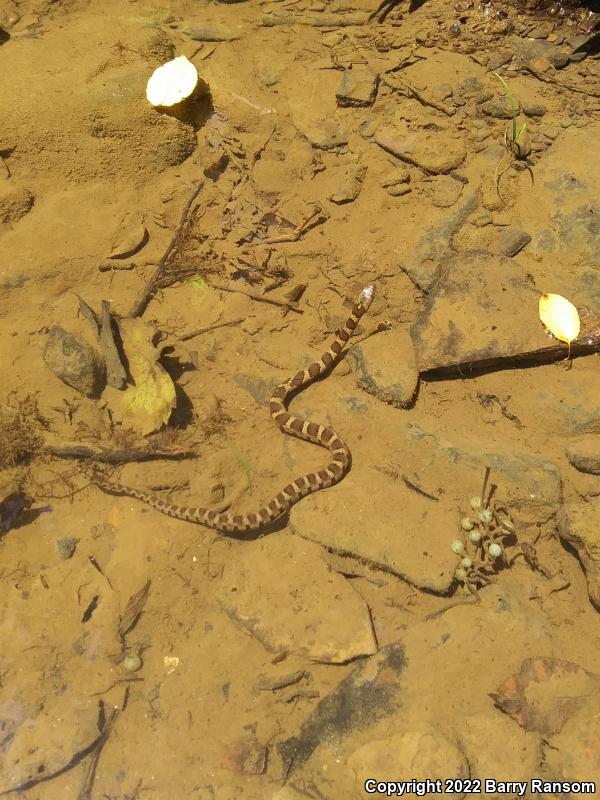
point(106, 727)
point(106, 456)
point(295, 235)
point(147, 292)
point(486, 478)
point(200, 331)
point(588, 342)
point(5, 166)
point(398, 84)
point(569, 86)
point(465, 601)
point(261, 298)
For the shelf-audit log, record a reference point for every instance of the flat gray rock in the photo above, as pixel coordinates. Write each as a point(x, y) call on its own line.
point(483, 306)
point(584, 454)
point(564, 218)
point(372, 691)
point(578, 528)
point(398, 508)
point(212, 32)
point(358, 87)
point(432, 151)
point(39, 746)
point(324, 134)
point(280, 590)
point(349, 184)
point(385, 366)
point(75, 362)
point(511, 241)
point(423, 262)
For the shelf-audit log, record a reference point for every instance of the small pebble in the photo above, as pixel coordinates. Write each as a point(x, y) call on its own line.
point(500, 58)
point(398, 190)
point(559, 59)
point(396, 176)
point(511, 241)
point(541, 31)
point(533, 109)
point(66, 548)
point(368, 128)
point(482, 219)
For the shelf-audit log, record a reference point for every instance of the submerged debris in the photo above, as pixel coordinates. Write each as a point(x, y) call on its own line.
point(11, 507)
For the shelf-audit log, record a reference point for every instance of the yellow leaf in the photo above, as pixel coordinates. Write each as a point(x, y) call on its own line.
point(560, 316)
point(148, 403)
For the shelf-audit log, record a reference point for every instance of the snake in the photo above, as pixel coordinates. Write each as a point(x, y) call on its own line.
point(322, 435)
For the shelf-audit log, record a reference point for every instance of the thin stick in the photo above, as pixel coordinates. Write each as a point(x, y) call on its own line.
point(198, 332)
point(261, 298)
point(316, 218)
point(399, 84)
point(467, 601)
point(85, 793)
point(486, 478)
point(148, 291)
point(107, 456)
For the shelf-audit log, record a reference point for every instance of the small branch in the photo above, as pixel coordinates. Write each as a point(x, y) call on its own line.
point(200, 331)
point(400, 85)
point(569, 86)
point(148, 291)
point(317, 217)
point(106, 727)
point(122, 456)
point(260, 298)
point(586, 344)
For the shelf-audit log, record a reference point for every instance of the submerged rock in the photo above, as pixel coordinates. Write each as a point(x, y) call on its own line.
point(578, 528)
point(358, 87)
point(307, 608)
point(75, 362)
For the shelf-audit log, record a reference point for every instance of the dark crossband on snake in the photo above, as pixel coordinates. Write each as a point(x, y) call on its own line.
point(226, 522)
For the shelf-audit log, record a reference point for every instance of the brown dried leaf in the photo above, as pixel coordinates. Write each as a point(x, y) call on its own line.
point(545, 693)
point(133, 609)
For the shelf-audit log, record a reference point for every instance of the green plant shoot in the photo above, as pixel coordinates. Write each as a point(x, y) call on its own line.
point(517, 131)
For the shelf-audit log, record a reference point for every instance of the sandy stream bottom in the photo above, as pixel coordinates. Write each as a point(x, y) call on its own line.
point(145, 657)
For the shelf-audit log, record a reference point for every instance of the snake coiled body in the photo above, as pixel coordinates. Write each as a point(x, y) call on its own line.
point(322, 435)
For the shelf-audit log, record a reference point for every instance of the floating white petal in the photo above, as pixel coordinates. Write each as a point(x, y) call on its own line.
point(172, 82)
point(560, 316)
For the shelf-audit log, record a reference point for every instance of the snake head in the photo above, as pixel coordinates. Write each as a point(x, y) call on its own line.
point(366, 296)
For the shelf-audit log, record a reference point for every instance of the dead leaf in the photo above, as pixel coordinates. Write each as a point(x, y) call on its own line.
point(146, 405)
point(130, 236)
point(11, 507)
point(245, 755)
point(115, 371)
point(545, 693)
point(133, 609)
